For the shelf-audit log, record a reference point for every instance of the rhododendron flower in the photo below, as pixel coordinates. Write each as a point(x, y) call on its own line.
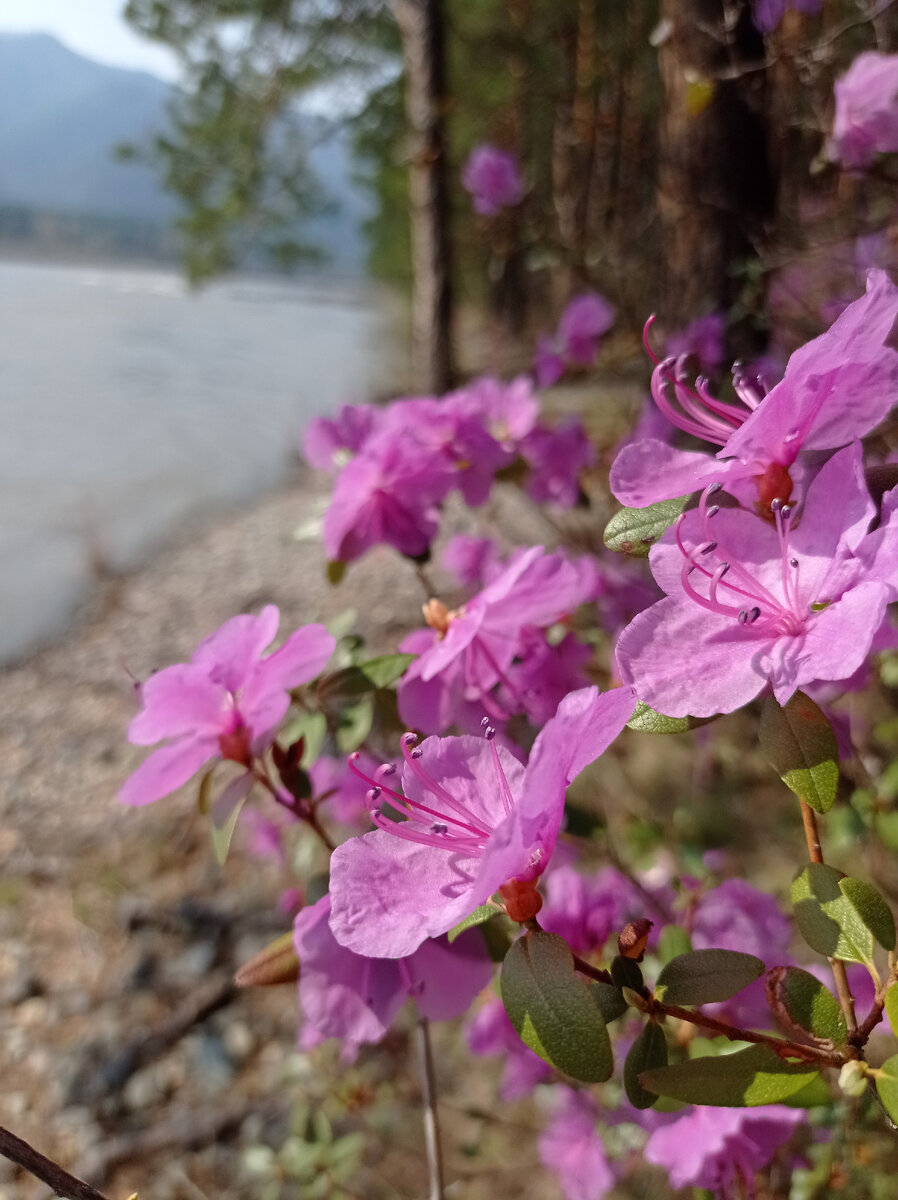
point(389, 494)
point(467, 652)
point(471, 560)
point(493, 178)
point(703, 339)
point(224, 703)
point(491, 1032)
point(583, 323)
point(750, 604)
point(477, 821)
point(572, 1147)
point(836, 388)
point(330, 440)
point(767, 14)
point(355, 998)
point(721, 1148)
point(557, 458)
point(509, 410)
point(866, 118)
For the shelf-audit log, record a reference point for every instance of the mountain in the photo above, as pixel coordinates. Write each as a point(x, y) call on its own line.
point(63, 116)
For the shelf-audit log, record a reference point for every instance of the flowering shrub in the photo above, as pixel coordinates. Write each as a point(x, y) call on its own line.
point(776, 557)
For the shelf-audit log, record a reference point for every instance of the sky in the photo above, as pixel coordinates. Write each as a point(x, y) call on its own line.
point(95, 28)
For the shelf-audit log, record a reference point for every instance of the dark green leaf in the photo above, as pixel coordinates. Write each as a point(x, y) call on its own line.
point(706, 976)
point(477, 917)
point(610, 1000)
point(826, 918)
point(348, 683)
point(626, 973)
point(813, 1095)
point(553, 1010)
point(887, 1086)
point(800, 745)
point(633, 531)
point(672, 941)
point(804, 1005)
point(386, 669)
point(747, 1078)
point(312, 728)
point(871, 908)
point(648, 1052)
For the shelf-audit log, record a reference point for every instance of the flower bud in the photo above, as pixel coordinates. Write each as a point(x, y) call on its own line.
point(633, 939)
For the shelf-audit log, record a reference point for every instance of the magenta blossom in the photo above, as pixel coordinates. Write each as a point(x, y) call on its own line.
point(866, 119)
point(355, 998)
point(467, 652)
point(471, 560)
point(703, 339)
point(493, 178)
point(557, 458)
point(583, 323)
point(836, 388)
point(225, 703)
point(572, 1147)
point(477, 820)
point(329, 441)
point(749, 604)
point(767, 14)
point(721, 1148)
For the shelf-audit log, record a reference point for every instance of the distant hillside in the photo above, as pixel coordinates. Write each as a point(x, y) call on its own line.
point(63, 116)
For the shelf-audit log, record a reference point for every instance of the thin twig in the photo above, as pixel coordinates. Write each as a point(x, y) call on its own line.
point(45, 1169)
point(431, 1119)
point(823, 1058)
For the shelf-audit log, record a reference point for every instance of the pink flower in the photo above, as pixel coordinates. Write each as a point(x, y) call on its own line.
point(836, 388)
point(572, 1147)
point(767, 14)
point(329, 439)
point(583, 323)
point(557, 458)
point(703, 339)
point(224, 703)
point(492, 1033)
point(750, 605)
point(866, 119)
point(493, 178)
point(721, 1148)
point(477, 820)
point(356, 998)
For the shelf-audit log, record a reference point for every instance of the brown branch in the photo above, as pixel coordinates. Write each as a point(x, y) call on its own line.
point(431, 1118)
point(586, 968)
point(45, 1169)
point(823, 1058)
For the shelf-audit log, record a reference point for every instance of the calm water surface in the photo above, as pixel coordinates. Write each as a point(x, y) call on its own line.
point(128, 404)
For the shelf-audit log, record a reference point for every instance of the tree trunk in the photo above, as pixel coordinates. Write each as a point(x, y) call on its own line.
point(421, 27)
point(715, 189)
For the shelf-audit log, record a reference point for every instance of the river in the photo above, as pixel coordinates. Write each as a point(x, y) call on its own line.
point(130, 404)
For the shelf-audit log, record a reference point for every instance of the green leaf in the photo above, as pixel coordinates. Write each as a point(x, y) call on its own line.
point(335, 572)
point(747, 1078)
point(892, 1007)
point(225, 812)
point(626, 973)
point(813, 1095)
point(648, 1053)
point(871, 908)
point(312, 726)
point(887, 1086)
point(826, 918)
point(673, 940)
point(386, 669)
point(553, 1010)
point(355, 725)
point(706, 976)
point(477, 917)
point(345, 684)
point(804, 1005)
point(646, 720)
point(633, 531)
point(800, 745)
point(610, 1000)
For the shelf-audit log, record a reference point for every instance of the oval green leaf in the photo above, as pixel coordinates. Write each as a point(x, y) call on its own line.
point(633, 531)
point(887, 1086)
point(648, 1053)
point(745, 1079)
point(800, 745)
point(477, 917)
point(892, 1007)
point(646, 720)
point(553, 1010)
point(610, 1000)
point(826, 917)
point(871, 908)
point(706, 976)
point(801, 1002)
point(386, 669)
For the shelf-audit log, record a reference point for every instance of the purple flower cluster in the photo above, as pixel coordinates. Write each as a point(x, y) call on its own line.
point(583, 323)
point(866, 117)
point(493, 179)
point(396, 465)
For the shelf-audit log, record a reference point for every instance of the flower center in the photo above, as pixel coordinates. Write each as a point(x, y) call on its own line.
point(732, 590)
point(438, 616)
point(444, 822)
